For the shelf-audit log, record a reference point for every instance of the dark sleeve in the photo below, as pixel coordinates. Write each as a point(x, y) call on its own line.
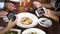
point(2, 0)
point(6, 0)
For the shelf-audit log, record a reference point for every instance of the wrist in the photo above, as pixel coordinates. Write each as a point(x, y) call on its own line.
point(4, 30)
point(8, 27)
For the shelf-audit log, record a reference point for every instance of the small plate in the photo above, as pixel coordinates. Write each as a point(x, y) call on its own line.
point(45, 22)
point(15, 0)
point(19, 31)
point(29, 15)
point(30, 30)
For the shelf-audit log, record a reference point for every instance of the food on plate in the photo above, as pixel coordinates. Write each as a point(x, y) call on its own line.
point(12, 32)
point(26, 21)
point(34, 33)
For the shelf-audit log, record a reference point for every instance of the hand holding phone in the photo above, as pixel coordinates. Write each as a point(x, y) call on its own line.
point(11, 15)
point(40, 12)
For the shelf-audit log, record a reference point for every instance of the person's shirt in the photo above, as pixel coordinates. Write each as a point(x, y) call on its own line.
point(2, 0)
point(56, 4)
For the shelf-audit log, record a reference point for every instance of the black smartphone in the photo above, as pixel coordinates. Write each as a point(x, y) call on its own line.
point(40, 12)
point(11, 15)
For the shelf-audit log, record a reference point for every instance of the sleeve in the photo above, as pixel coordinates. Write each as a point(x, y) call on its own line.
point(6, 0)
point(2, 0)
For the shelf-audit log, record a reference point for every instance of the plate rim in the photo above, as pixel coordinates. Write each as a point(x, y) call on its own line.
point(30, 14)
point(34, 28)
point(18, 30)
point(43, 25)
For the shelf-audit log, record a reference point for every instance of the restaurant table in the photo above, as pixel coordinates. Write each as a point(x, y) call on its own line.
point(48, 30)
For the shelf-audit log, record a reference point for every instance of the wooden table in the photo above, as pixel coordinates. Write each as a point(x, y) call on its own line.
point(49, 30)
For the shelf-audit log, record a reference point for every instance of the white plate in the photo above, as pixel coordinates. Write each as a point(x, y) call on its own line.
point(29, 31)
point(19, 31)
point(47, 22)
point(24, 14)
point(15, 0)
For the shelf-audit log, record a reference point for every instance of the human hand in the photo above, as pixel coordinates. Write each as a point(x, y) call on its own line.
point(22, 2)
point(12, 23)
point(3, 13)
point(49, 13)
point(9, 26)
point(37, 4)
point(10, 6)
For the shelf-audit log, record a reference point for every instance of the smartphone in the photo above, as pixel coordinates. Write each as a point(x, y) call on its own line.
point(40, 12)
point(11, 15)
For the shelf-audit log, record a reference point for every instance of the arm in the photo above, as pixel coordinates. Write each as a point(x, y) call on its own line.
point(3, 13)
point(8, 27)
point(5, 30)
point(49, 13)
point(56, 13)
point(38, 4)
point(47, 5)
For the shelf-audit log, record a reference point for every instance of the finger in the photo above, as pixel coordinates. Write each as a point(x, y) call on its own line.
point(45, 10)
point(3, 12)
point(20, 3)
point(49, 11)
point(11, 8)
point(37, 4)
point(12, 5)
point(2, 16)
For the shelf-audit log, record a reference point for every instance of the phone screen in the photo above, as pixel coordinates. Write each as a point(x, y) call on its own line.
point(40, 12)
point(11, 15)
